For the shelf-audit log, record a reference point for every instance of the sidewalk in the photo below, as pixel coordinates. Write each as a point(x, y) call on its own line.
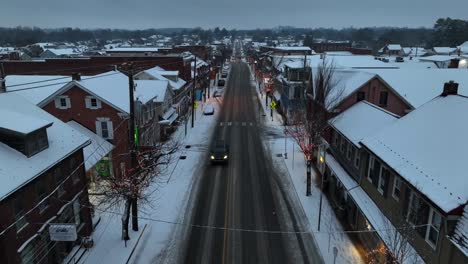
point(168, 200)
point(294, 168)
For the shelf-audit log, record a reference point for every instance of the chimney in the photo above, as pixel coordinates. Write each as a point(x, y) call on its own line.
point(76, 77)
point(450, 88)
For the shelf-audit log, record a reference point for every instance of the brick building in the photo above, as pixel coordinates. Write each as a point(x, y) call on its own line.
point(43, 182)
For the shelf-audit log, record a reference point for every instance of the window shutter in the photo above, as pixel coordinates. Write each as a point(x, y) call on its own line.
point(88, 102)
point(68, 102)
point(111, 129)
point(98, 128)
point(98, 104)
point(57, 102)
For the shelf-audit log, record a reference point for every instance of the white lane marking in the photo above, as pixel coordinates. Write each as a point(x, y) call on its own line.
point(230, 124)
point(243, 123)
point(221, 124)
point(251, 124)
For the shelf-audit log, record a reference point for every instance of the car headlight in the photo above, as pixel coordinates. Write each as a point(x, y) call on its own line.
point(212, 157)
point(225, 156)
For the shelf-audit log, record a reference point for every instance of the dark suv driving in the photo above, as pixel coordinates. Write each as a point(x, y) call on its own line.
point(219, 152)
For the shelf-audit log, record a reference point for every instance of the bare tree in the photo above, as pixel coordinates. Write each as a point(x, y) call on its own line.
point(131, 186)
point(315, 107)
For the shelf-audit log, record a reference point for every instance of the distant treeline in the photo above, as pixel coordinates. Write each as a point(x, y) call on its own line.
point(445, 32)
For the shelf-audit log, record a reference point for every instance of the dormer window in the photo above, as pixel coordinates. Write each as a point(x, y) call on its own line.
point(62, 102)
point(92, 102)
point(28, 138)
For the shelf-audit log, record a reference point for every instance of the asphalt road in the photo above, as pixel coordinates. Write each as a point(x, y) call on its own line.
point(244, 194)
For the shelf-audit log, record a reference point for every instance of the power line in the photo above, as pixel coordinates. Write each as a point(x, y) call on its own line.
point(255, 230)
point(59, 83)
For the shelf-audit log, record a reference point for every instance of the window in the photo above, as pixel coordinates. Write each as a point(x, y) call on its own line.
point(104, 128)
point(383, 98)
point(337, 139)
point(357, 158)
point(360, 96)
point(343, 144)
point(41, 192)
point(371, 165)
point(396, 188)
point(92, 102)
point(433, 229)
point(62, 102)
point(383, 180)
point(349, 152)
point(20, 219)
point(58, 180)
point(413, 208)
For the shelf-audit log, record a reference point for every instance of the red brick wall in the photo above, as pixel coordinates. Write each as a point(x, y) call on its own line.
point(93, 65)
point(372, 89)
point(11, 240)
point(88, 117)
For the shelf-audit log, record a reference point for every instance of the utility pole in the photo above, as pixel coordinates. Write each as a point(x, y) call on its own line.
point(306, 123)
point(193, 88)
point(132, 142)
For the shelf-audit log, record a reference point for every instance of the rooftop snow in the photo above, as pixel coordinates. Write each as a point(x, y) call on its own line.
point(113, 87)
point(460, 236)
point(133, 49)
point(23, 124)
point(361, 121)
point(438, 58)
point(65, 51)
point(16, 169)
point(444, 50)
point(38, 87)
point(98, 148)
point(159, 73)
point(394, 46)
point(346, 82)
point(427, 147)
point(286, 48)
point(418, 86)
point(151, 89)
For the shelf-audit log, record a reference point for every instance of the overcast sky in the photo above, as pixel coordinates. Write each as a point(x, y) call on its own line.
point(240, 14)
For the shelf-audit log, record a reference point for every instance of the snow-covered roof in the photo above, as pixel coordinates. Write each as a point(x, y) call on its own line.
point(64, 52)
point(426, 147)
point(160, 74)
point(16, 169)
point(362, 120)
point(151, 90)
point(27, 124)
point(418, 86)
point(414, 51)
point(113, 87)
point(438, 58)
point(287, 48)
point(394, 47)
point(49, 85)
point(444, 50)
point(346, 82)
point(460, 236)
point(95, 151)
point(133, 49)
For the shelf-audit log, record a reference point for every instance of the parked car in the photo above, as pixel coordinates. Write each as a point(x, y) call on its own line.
point(399, 59)
point(221, 83)
point(218, 93)
point(208, 110)
point(224, 75)
point(219, 152)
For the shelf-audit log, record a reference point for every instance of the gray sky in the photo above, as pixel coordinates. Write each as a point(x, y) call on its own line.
point(240, 14)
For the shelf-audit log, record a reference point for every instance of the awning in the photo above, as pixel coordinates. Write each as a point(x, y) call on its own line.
point(169, 117)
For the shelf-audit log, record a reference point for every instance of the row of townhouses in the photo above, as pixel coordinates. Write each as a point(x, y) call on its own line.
point(63, 133)
point(392, 159)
